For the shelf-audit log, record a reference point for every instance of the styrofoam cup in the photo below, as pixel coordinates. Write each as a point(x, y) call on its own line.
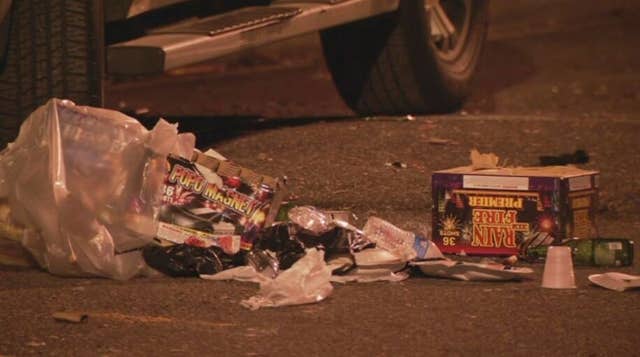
point(558, 269)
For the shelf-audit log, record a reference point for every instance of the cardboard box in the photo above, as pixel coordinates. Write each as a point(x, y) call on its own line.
point(494, 211)
point(209, 201)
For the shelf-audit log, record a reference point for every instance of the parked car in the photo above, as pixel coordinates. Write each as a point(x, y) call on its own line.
point(386, 56)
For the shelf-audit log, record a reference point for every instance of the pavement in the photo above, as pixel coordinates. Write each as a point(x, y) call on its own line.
point(556, 76)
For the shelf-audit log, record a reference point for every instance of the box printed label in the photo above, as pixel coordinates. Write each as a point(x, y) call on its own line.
point(229, 243)
point(579, 183)
point(192, 204)
point(490, 221)
point(505, 213)
point(495, 182)
point(581, 219)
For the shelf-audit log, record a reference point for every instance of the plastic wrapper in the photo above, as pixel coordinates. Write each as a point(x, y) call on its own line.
point(332, 228)
point(86, 182)
point(311, 220)
point(307, 281)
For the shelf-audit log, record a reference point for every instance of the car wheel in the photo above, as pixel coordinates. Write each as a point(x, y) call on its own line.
point(55, 49)
point(419, 59)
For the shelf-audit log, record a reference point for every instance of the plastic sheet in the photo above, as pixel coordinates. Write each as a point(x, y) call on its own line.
point(468, 271)
point(307, 281)
point(85, 182)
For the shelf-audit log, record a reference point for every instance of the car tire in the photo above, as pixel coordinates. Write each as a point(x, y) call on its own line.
point(55, 49)
point(408, 61)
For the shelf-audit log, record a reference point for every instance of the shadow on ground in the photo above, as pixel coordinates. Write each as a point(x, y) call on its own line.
point(221, 129)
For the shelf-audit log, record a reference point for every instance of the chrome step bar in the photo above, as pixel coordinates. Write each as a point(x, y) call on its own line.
point(219, 35)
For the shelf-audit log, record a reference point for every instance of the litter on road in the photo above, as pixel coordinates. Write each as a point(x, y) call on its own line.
point(91, 192)
point(72, 317)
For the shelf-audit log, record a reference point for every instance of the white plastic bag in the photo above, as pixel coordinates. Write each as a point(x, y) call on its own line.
point(307, 281)
point(85, 182)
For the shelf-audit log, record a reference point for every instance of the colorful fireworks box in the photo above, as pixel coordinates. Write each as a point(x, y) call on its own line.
point(210, 201)
point(500, 211)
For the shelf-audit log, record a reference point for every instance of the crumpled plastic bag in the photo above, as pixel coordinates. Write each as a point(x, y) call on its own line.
point(85, 182)
point(186, 260)
point(307, 281)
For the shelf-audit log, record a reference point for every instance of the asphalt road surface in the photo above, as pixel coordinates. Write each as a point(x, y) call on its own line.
point(556, 76)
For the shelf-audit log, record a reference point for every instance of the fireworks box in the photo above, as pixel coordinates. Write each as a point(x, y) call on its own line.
point(208, 201)
point(496, 211)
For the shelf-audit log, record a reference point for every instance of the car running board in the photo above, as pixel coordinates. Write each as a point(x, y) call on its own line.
point(206, 38)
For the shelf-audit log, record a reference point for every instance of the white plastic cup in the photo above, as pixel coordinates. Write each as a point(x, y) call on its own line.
point(558, 269)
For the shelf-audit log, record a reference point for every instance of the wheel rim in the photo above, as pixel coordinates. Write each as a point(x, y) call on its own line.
point(449, 22)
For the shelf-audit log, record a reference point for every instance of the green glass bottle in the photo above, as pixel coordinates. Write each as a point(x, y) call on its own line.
point(602, 251)
point(606, 252)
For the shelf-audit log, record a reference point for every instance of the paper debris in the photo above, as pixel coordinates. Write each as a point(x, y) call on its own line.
point(481, 161)
point(396, 164)
point(440, 141)
point(73, 317)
